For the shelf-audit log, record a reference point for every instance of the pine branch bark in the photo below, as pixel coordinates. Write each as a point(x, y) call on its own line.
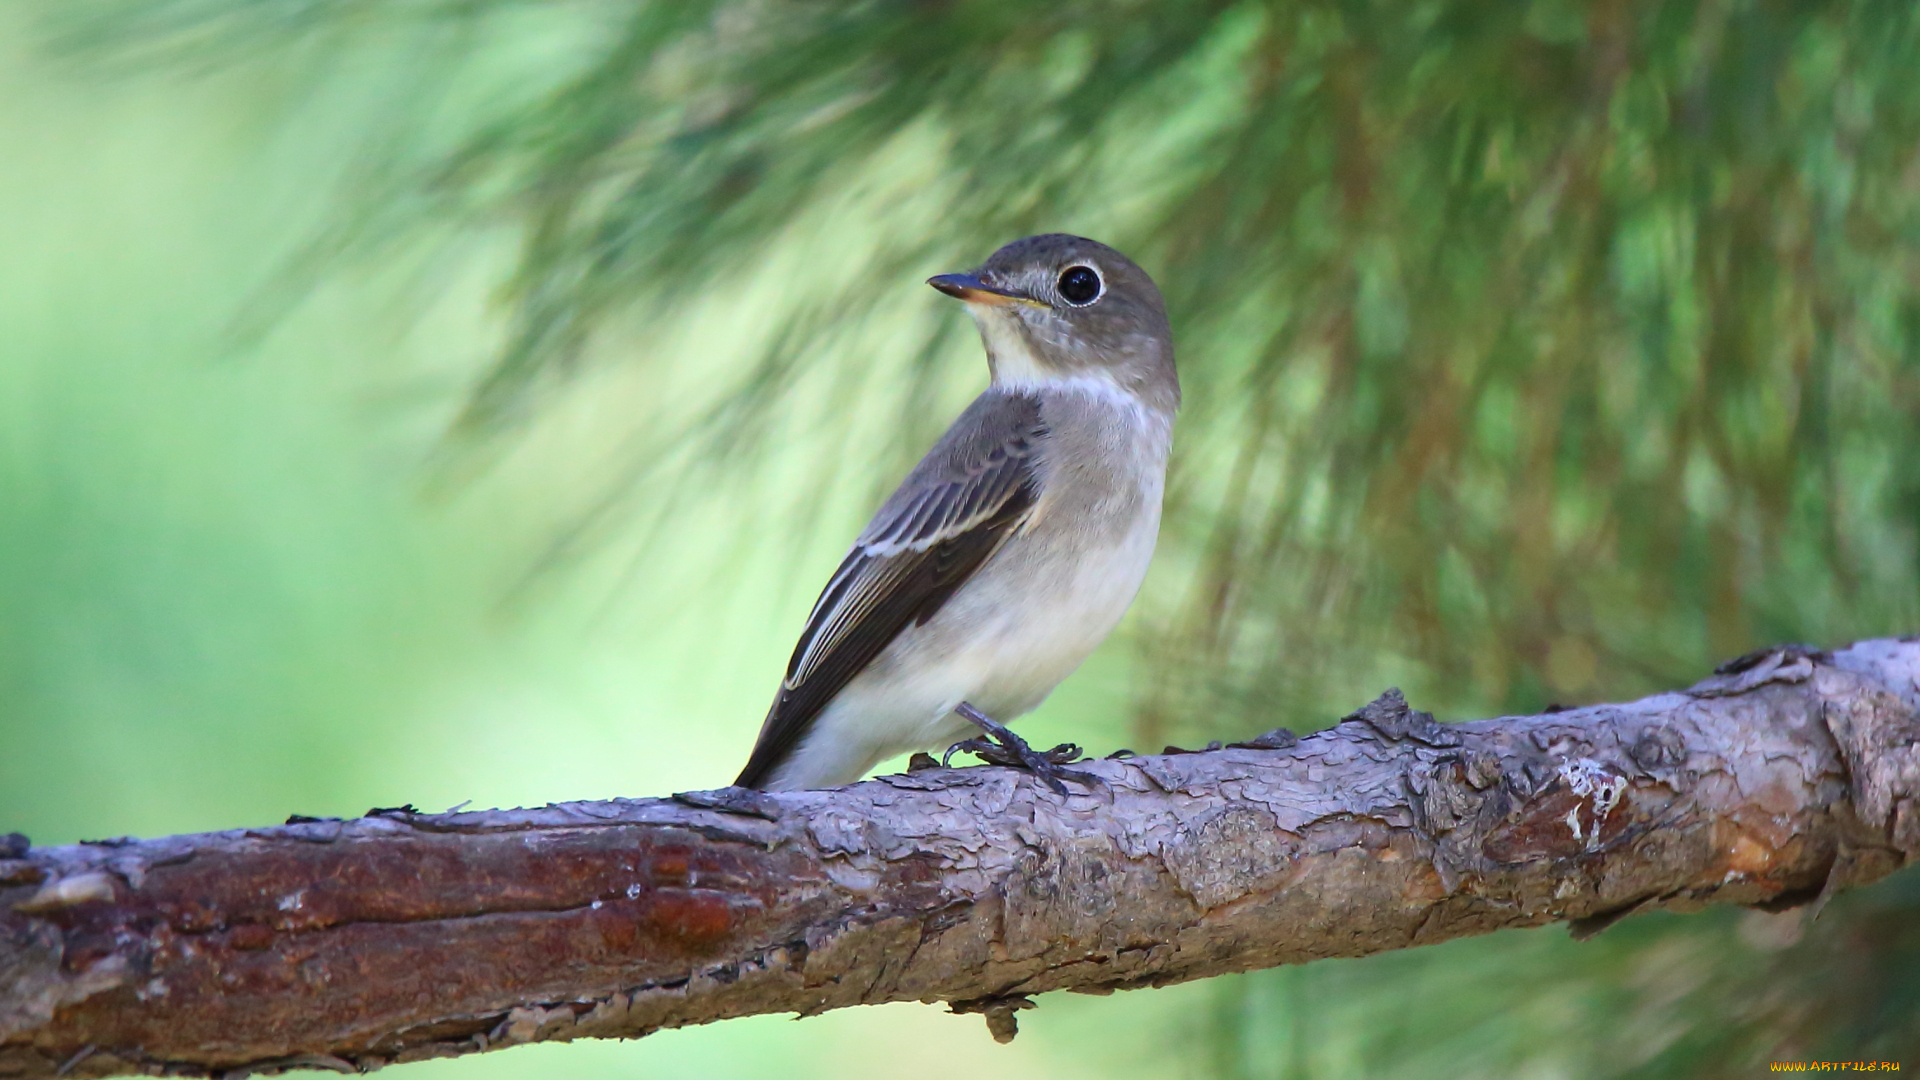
point(399, 936)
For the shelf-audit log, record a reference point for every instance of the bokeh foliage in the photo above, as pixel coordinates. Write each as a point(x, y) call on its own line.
point(1553, 347)
point(1533, 351)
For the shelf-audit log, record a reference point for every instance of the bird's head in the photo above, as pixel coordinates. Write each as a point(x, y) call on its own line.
point(1055, 309)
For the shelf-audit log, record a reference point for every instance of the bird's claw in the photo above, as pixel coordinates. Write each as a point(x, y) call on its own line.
point(994, 753)
point(978, 746)
point(1003, 747)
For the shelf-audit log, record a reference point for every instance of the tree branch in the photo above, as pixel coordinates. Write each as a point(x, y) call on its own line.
point(400, 936)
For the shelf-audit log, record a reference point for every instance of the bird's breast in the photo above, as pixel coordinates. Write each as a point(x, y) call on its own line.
point(1062, 582)
point(1059, 584)
point(1103, 466)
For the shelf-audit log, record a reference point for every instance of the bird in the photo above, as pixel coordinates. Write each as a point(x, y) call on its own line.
point(1015, 545)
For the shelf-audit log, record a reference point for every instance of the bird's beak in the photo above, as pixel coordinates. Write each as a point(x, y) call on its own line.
point(970, 288)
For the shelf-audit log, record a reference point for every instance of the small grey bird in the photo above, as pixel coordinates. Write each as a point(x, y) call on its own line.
point(1014, 546)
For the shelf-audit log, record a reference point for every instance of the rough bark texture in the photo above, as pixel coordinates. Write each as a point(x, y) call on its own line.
point(354, 944)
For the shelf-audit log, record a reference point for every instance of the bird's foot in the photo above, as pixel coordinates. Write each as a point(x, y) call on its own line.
point(994, 753)
point(1002, 747)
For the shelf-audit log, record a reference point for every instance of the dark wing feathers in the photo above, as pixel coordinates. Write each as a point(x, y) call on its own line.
point(970, 492)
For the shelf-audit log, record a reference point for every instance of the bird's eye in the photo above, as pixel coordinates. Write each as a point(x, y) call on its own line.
point(1079, 285)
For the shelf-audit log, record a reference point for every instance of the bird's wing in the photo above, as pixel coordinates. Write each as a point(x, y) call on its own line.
point(956, 508)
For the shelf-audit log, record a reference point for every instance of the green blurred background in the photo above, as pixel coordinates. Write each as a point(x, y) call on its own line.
point(445, 400)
